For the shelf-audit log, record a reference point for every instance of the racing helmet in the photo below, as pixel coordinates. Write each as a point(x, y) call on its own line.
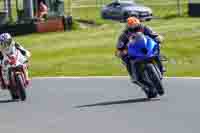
point(5, 40)
point(132, 22)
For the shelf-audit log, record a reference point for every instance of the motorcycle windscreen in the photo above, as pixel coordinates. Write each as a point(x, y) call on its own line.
point(142, 48)
point(153, 47)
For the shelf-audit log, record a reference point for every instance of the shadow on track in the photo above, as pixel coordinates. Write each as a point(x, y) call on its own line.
point(138, 100)
point(8, 101)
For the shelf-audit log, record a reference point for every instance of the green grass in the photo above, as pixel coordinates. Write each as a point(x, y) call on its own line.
point(91, 51)
point(161, 8)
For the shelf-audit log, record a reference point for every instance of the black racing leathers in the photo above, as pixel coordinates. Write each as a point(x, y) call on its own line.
point(128, 32)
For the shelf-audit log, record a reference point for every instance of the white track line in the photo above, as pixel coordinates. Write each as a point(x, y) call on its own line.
point(107, 77)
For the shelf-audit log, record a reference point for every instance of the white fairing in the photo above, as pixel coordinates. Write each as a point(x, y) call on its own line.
point(7, 53)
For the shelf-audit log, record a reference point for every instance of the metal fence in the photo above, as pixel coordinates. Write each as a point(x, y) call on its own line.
point(90, 9)
point(3, 8)
point(1, 5)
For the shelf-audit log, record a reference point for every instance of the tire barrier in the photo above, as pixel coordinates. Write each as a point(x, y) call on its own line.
point(194, 9)
point(50, 25)
point(68, 21)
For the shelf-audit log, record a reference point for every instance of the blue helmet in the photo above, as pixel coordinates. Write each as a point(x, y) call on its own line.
point(5, 40)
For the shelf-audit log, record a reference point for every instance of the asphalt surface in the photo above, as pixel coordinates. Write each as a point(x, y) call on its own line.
point(102, 106)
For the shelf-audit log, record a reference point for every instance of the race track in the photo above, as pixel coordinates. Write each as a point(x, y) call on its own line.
point(102, 105)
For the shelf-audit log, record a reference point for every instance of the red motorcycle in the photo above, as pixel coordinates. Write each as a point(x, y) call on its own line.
point(13, 74)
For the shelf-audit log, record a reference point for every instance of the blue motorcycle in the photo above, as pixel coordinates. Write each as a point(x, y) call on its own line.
point(145, 52)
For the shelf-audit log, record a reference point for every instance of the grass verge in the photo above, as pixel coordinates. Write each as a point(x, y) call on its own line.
point(90, 51)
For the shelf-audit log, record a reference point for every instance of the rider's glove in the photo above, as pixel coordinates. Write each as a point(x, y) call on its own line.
point(121, 53)
point(117, 53)
point(28, 54)
point(159, 39)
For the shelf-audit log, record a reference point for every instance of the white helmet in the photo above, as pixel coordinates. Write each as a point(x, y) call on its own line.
point(5, 40)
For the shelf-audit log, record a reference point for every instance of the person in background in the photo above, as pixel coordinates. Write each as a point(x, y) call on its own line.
point(42, 11)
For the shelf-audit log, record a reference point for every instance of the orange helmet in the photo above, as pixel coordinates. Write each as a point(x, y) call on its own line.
point(132, 21)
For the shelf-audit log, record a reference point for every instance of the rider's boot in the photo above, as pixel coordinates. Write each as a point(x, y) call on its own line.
point(27, 80)
point(132, 76)
point(161, 66)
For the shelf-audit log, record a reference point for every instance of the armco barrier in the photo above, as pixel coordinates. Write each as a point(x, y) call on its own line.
point(18, 29)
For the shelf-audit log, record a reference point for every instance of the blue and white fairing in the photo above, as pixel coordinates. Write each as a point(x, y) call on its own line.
point(143, 48)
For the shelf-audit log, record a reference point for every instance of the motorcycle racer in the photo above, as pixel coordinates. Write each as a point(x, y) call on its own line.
point(132, 28)
point(6, 44)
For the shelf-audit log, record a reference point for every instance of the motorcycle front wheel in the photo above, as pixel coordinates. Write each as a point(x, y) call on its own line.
point(149, 90)
point(20, 87)
point(155, 79)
